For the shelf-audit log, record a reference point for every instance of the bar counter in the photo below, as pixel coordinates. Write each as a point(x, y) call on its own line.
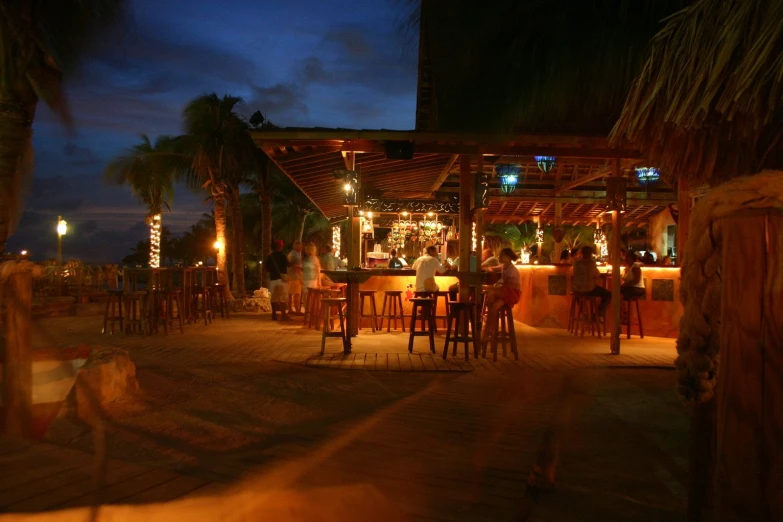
point(546, 298)
point(546, 293)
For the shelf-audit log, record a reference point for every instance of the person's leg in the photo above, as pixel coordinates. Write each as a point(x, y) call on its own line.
point(273, 297)
point(453, 292)
point(605, 296)
point(283, 302)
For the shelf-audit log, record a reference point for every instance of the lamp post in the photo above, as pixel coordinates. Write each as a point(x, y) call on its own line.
point(62, 228)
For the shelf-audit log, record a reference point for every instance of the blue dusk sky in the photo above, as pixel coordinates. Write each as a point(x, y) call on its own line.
point(331, 63)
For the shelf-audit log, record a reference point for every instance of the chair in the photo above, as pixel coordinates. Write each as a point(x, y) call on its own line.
point(333, 309)
point(461, 315)
point(218, 302)
point(423, 310)
point(168, 299)
point(200, 305)
point(586, 315)
point(392, 309)
point(504, 333)
point(113, 312)
point(373, 316)
point(136, 309)
point(627, 316)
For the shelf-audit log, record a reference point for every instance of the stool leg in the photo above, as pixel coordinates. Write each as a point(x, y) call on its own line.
point(402, 312)
point(346, 349)
point(628, 316)
point(383, 313)
point(413, 327)
point(639, 318)
point(431, 321)
point(465, 328)
point(375, 326)
point(325, 328)
point(512, 332)
point(475, 333)
point(361, 311)
point(449, 321)
point(504, 331)
point(457, 323)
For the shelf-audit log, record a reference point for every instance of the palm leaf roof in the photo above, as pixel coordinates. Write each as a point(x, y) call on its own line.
point(707, 103)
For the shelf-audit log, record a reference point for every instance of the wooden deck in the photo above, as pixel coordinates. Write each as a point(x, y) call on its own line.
point(459, 444)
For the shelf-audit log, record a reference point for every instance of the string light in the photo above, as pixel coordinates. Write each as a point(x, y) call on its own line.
point(336, 239)
point(155, 230)
point(540, 235)
point(474, 238)
point(599, 240)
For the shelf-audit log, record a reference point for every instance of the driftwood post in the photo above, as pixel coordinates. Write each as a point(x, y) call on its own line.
point(18, 360)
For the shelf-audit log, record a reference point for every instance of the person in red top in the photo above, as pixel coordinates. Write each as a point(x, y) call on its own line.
point(507, 291)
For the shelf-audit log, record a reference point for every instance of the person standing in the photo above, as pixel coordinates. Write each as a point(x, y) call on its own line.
point(295, 278)
point(586, 279)
point(311, 270)
point(276, 264)
point(426, 267)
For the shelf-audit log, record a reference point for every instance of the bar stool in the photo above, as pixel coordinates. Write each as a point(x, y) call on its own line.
point(423, 309)
point(586, 315)
point(464, 315)
point(200, 295)
point(136, 310)
point(572, 313)
point(373, 316)
point(627, 317)
point(168, 298)
point(392, 299)
point(113, 312)
point(445, 296)
point(505, 333)
point(329, 305)
point(312, 301)
point(324, 293)
point(217, 294)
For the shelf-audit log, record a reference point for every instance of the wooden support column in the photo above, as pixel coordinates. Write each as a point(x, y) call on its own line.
point(478, 213)
point(614, 255)
point(683, 217)
point(558, 223)
point(18, 363)
point(465, 223)
point(354, 251)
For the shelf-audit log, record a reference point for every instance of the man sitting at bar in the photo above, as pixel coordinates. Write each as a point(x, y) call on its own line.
point(426, 267)
point(633, 282)
point(488, 259)
point(585, 279)
point(394, 261)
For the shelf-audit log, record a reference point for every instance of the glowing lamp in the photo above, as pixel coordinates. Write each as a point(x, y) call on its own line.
point(545, 163)
point(62, 227)
point(23, 252)
point(218, 245)
point(647, 175)
point(508, 176)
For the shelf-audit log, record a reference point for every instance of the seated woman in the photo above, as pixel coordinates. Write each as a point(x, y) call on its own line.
point(507, 291)
point(633, 282)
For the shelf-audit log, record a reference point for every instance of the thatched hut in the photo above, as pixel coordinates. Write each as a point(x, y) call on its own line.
point(707, 108)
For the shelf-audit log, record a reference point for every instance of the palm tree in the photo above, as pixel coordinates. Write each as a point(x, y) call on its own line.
point(41, 43)
point(220, 151)
point(147, 169)
point(263, 184)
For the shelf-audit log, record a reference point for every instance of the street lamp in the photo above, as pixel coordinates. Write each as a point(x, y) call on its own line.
point(62, 228)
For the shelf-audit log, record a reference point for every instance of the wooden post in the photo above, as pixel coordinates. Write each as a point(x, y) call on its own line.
point(558, 221)
point(18, 363)
point(465, 223)
point(683, 217)
point(614, 255)
point(354, 253)
point(539, 246)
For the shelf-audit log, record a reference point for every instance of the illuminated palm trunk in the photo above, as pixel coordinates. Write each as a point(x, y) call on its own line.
point(220, 238)
point(155, 228)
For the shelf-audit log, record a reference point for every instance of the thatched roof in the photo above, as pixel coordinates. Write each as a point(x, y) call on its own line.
point(708, 104)
point(532, 66)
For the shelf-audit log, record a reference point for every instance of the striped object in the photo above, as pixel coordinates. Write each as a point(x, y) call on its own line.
point(54, 374)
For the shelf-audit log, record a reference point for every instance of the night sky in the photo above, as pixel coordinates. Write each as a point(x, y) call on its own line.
point(332, 63)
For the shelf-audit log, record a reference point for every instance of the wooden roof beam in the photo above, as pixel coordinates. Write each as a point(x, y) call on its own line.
point(444, 174)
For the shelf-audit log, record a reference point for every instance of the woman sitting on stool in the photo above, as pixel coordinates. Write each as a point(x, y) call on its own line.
point(633, 283)
point(507, 291)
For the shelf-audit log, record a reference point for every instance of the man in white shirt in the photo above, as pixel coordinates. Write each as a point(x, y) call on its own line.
point(488, 260)
point(426, 267)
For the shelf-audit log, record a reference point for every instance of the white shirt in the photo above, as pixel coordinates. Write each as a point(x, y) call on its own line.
point(426, 267)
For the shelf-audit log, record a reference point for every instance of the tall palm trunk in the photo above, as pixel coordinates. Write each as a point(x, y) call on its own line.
point(266, 230)
point(156, 225)
point(302, 225)
point(16, 159)
point(238, 251)
point(220, 236)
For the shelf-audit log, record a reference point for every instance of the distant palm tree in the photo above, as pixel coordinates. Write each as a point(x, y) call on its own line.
point(220, 151)
point(41, 43)
point(147, 169)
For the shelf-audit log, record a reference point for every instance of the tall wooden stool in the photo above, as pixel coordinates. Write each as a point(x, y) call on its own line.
point(504, 333)
point(113, 312)
point(392, 309)
point(217, 294)
point(423, 309)
point(586, 315)
point(136, 319)
point(200, 305)
point(627, 319)
point(373, 316)
point(572, 313)
point(324, 293)
point(312, 300)
point(333, 309)
point(445, 296)
point(461, 315)
point(168, 299)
